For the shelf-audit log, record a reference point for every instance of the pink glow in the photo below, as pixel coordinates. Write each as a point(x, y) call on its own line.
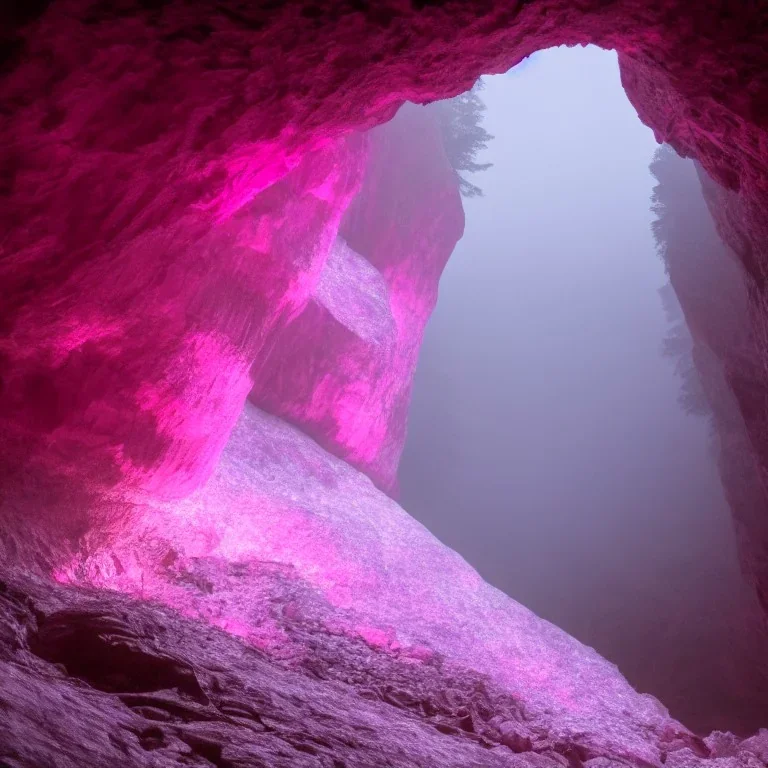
point(352, 560)
point(343, 369)
point(145, 376)
point(378, 638)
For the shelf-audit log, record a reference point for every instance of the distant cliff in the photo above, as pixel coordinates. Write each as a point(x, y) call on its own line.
point(343, 369)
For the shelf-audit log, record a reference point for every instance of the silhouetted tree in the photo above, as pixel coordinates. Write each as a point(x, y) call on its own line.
point(464, 136)
point(678, 346)
point(669, 233)
point(664, 168)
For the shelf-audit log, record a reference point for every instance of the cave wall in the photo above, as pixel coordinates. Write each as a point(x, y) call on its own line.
point(343, 370)
point(135, 137)
point(712, 289)
point(173, 182)
point(144, 363)
point(726, 315)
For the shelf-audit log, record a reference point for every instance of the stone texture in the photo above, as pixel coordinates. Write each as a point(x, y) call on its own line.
point(99, 679)
point(343, 370)
point(145, 360)
point(289, 613)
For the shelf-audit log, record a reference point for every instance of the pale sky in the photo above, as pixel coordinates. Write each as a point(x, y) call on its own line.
point(546, 443)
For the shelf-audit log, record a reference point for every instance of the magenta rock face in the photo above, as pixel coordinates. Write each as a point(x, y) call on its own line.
point(136, 138)
point(187, 200)
point(145, 366)
point(343, 369)
point(286, 545)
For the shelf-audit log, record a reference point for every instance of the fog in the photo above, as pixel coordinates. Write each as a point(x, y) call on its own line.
point(546, 441)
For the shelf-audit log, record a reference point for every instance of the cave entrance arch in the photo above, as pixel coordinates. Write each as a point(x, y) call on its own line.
point(164, 123)
point(549, 441)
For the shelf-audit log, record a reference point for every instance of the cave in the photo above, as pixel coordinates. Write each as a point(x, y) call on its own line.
point(206, 354)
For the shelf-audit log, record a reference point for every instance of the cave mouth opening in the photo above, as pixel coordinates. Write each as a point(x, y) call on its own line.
point(155, 307)
point(560, 436)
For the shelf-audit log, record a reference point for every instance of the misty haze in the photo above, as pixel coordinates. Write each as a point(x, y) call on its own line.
point(548, 439)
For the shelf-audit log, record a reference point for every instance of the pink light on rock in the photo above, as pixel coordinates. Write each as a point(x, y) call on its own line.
point(144, 373)
point(343, 369)
point(271, 532)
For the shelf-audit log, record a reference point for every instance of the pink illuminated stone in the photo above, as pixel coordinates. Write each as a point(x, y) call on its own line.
point(281, 517)
point(343, 370)
point(156, 166)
